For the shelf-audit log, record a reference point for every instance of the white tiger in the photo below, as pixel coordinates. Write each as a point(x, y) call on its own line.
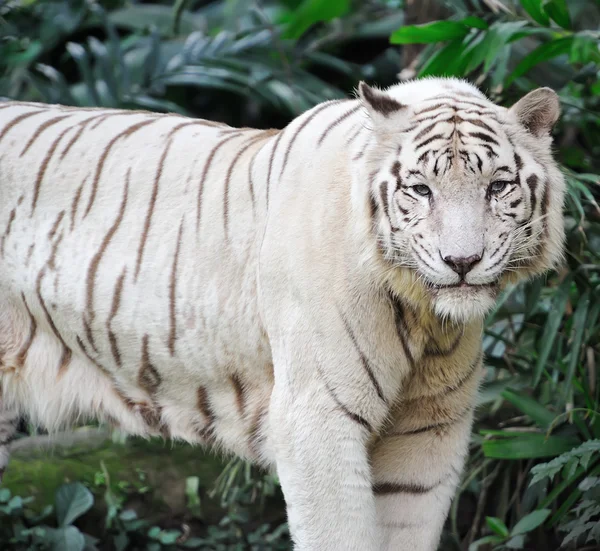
point(310, 299)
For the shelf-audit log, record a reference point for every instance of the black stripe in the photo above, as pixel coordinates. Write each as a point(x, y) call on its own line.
point(42, 128)
point(432, 108)
point(337, 121)
point(383, 193)
point(484, 137)
point(481, 124)
point(431, 139)
point(100, 166)
point(271, 159)
point(532, 182)
point(387, 488)
point(17, 120)
point(234, 161)
point(545, 205)
point(398, 311)
point(351, 415)
point(365, 362)
point(425, 261)
point(309, 118)
point(518, 162)
point(42, 170)
point(426, 428)
point(516, 203)
point(460, 100)
point(433, 349)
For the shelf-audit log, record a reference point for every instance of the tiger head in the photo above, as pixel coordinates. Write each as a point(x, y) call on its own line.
point(466, 194)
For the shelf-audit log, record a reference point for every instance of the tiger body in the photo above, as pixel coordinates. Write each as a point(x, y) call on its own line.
point(246, 289)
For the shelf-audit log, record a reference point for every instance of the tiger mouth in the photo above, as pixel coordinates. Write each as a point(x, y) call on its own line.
point(464, 285)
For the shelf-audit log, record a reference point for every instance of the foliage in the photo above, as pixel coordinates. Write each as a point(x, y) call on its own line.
point(21, 528)
point(532, 476)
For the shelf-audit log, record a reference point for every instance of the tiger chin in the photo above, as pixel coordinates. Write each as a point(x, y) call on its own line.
point(310, 299)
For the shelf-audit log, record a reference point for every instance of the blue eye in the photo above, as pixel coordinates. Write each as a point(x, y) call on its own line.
point(422, 190)
point(498, 186)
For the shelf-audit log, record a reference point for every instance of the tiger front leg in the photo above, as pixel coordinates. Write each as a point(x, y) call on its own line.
point(9, 421)
point(417, 466)
point(322, 463)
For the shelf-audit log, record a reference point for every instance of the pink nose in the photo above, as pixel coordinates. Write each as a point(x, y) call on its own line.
point(462, 265)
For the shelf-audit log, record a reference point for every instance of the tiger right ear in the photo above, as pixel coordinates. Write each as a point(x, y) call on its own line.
point(385, 111)
point(538, 111)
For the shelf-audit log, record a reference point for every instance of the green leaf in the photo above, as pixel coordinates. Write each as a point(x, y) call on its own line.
point(530, 522)
point(559, 304)
point(497, 525)
point(438, 31)
point(15, 503)
point(4, 495)
point(518, 542)
point(542, 53)
point(578, 531)
point(558, 12)
point(484, 541)
point(68, 538)
point(169, 537)
point(534, 9)
point(72, 501)
point(142, 17)
point(528, 446)
point(577, 332)
point(311, 12)
point(80, 56)
point(533, 294)
point(530, 407)
point(549, 470)
point(447, 61)
point(475, 22)
point(500, 35)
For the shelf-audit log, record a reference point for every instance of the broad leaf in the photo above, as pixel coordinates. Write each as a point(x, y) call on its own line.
point(538, 413)
point(516, 542)
point(528, 446)
point(68, 538)
point(484, 541)
point(542, 53)
point(72, 501)
point(438, 31)
point(577, 332)
point(557, 10)
point(553, 322)
point(311, 12)
point(497, 526)
point(534, 9)
point(549, 470)
point(530, 522)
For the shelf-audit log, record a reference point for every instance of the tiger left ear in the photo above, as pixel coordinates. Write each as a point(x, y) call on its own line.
point(538, 111)
point(385, 111)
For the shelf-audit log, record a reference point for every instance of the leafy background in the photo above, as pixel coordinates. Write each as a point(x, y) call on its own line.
point(533, 476)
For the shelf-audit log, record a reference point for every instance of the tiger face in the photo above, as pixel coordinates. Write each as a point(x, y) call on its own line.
point(468, 194)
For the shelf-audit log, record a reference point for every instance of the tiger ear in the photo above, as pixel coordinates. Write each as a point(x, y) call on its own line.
point(385, 112)
point(538, 111)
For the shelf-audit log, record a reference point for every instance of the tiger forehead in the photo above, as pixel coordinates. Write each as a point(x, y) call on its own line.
point(452, 134)
point(461, 124)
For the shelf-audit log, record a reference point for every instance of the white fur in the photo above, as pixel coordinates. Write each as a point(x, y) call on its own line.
point(236, 289)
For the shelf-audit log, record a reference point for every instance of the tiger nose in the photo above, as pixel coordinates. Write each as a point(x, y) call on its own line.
point(462, 265)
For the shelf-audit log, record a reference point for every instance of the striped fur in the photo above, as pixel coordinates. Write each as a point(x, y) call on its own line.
point(280, 295)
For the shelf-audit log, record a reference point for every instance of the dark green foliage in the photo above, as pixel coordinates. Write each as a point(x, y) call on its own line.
point(533, 477)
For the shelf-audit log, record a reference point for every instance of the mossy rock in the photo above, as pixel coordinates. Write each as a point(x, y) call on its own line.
point(150, 474)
